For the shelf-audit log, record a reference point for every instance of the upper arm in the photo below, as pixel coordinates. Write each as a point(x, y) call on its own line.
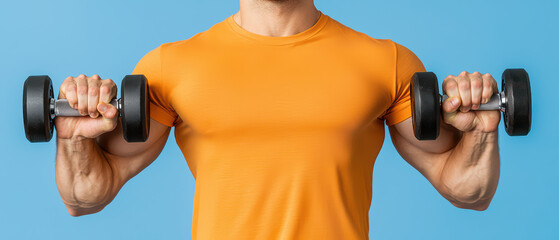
point(128, 159)
point(427, 156)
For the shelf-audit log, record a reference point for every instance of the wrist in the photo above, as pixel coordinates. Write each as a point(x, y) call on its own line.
point(75, 144)
point(73, 139)
point(480, 135)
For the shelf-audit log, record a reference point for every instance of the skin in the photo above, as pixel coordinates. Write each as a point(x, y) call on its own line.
point(93, 161)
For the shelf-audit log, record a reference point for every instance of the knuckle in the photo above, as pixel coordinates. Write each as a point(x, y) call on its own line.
point(93, 91)
point(79, 81)
point(81, 90)
point(464, 85)
point(487, 84)
point(476, 83)
point(476, 74)
point(450, 84)
point(93, 81)
point(105, 89)
point(109, 83)
point(95, 77)
point(463, 73)
point(69, 87)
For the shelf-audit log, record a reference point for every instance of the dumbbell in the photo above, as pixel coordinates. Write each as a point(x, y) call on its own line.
point(40, 108)
point(515, 101)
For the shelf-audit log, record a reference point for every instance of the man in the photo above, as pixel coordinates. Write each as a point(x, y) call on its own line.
point(279, 111)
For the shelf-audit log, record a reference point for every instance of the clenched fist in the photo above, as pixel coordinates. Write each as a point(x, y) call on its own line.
point(91, 97)
point(465, 93)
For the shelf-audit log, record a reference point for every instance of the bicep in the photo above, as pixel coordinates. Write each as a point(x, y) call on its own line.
point(427, 156)
point(128, 159)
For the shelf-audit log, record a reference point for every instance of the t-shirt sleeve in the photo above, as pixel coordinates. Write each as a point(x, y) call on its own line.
point(160, 108)
point(406, 64)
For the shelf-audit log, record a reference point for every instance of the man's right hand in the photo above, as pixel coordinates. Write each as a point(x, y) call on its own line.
point(91, 97)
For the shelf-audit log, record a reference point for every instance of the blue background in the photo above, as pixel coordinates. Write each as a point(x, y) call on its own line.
point(108, 37)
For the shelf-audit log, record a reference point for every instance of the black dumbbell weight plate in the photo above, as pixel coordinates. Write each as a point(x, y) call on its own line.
point(426, 106)
point(37, 93)
point(135, 108)
point(518, 112)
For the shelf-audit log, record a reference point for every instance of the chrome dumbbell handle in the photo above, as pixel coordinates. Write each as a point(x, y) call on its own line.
point(62, 108)
point(496, 102)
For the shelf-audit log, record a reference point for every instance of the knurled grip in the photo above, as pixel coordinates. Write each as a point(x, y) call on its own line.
point(62, 108)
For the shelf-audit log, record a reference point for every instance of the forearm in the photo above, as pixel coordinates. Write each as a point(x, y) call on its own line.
point(470, 174)
point(84, 176)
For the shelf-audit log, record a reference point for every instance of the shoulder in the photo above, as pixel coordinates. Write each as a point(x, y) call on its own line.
point(366, 41)
point(361, 44)
point(198, 42)
point(359, 36)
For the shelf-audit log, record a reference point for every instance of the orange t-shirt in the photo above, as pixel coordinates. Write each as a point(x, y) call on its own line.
point(280, 133)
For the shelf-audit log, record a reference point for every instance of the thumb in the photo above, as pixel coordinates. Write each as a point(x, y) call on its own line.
point(450, 108)
point(110, 115)
point(107, 110)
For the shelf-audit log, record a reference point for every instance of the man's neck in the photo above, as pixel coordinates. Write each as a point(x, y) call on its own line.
point(276, 18)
